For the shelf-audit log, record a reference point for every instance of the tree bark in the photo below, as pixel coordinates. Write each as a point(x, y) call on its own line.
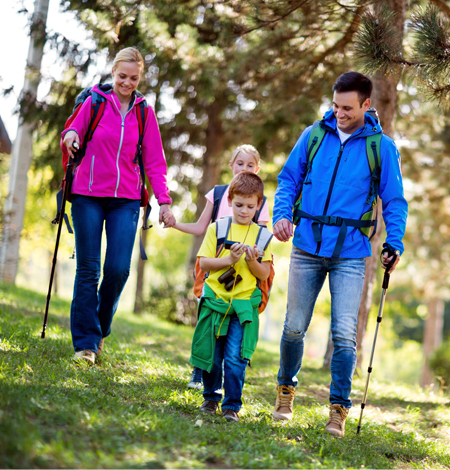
point(384, 99)
point(22, 151)
point(432, 337)
point(211, 168)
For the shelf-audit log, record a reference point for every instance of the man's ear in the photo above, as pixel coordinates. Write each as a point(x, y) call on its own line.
point(229, 202)
point(366, 104)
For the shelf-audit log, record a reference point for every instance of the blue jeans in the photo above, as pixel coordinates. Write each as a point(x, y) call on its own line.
point(93, 309)
point(307, 275)
point(227, 355)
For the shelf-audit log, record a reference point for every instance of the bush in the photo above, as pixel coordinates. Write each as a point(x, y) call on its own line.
point(440, 362)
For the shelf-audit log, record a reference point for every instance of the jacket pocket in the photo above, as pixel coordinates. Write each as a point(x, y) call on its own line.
point(91, 174)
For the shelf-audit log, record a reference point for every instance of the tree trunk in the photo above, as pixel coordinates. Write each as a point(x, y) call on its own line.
point(139, 298)
point(211, 168)
point(22, 151)
point(384, 99)
point(432, 337)
point(329, 352)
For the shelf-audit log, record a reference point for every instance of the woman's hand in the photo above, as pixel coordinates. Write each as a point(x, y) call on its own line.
point(251, 254)
point(166, 216)
point(69, 138)
point(236, 251)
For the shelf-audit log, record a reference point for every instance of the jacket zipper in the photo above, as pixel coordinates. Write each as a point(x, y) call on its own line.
point(91, 174)
point(333, 178)
point(120, 143)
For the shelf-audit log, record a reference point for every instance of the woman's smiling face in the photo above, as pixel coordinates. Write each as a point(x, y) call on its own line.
point(126, 78)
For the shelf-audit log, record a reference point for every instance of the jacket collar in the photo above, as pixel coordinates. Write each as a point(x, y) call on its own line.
point(106, 90)
point(371, 126)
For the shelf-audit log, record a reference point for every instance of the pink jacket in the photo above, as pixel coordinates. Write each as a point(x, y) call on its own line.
point(107, 169)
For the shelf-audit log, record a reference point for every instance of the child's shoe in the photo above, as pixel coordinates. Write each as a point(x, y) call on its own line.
point(230, 415)
point(100, 347)
point(209, 407)
point(196, 379)
point(285, 402)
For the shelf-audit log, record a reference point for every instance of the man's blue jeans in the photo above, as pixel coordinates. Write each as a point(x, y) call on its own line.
point(93, 309)
point(228, 355)
point(307, 275)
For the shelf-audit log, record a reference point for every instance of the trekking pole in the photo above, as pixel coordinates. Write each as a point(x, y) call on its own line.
point(58, 220)
point(379, 318)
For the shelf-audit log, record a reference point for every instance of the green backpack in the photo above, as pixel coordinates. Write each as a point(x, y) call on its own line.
point(364, 224)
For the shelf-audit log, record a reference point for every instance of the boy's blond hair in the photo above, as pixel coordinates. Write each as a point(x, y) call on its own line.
point(246, 148)
point(246, 184)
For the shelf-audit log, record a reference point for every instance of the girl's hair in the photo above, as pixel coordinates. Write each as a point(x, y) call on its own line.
point(249, 149)
point(129, 54)
point(246, 184)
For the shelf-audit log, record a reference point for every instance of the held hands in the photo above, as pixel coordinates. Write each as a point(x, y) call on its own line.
point(69, 139)
point(283, 230)
point(166, 216)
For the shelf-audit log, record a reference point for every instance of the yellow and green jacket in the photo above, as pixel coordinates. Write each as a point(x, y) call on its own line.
point(212, 322)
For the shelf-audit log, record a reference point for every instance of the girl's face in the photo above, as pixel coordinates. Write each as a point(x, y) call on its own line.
point(126, 78)
point(244, 162)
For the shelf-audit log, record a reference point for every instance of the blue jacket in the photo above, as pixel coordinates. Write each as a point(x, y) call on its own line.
point(345, 183)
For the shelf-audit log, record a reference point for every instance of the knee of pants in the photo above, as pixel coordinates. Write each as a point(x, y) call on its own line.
point(116, 274)
point(340, 341)
point(293, 335)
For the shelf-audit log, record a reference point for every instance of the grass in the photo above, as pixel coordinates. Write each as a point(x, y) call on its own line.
point(133, 409)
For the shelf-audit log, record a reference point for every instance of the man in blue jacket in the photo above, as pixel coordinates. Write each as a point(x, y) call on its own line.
point(337, 189)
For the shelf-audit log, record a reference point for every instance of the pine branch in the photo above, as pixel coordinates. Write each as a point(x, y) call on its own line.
point(432, 43)
point(377, 46)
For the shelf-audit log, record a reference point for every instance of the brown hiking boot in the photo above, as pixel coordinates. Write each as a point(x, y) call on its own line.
point(230, 415)
point(100, 347)
point(336, 423)
point(86, 356)
point(209, 407)
point(284, 403)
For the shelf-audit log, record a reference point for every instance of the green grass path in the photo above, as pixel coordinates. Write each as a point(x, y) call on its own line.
point(133, 410)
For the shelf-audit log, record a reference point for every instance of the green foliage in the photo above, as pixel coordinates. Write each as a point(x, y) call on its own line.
point(440, 362)
point(133, 410)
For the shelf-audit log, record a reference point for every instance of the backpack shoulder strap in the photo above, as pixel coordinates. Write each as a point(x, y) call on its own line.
point(219, 191)
point(373, 152)
point(222, 229)
point(258, 212)
point(315, 139)
point(263, 239)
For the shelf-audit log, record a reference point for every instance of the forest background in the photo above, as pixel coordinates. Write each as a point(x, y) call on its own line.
point(220, 74)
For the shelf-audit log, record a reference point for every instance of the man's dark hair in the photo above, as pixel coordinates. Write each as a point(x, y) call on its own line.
point(354, 81)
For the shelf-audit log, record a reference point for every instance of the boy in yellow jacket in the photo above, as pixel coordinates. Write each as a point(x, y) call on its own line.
point(236, 253)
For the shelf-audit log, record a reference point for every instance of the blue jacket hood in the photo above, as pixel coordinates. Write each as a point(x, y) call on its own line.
point(371, 125)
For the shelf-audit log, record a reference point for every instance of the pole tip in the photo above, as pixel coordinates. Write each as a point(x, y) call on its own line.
point(43, 335)
point(358, 429)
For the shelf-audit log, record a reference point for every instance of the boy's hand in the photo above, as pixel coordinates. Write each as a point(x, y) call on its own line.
point(251, 253)
point(236, 251)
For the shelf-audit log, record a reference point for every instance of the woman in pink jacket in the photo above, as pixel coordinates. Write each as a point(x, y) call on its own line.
point(107, 190)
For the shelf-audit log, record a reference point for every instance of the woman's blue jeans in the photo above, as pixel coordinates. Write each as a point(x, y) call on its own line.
point(93, 309)
point(307, 275)
point(227, 357)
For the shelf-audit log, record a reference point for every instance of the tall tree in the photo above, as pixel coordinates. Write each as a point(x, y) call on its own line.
point(22, 150)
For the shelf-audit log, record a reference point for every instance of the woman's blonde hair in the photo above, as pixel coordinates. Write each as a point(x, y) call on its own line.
point(246, 148)
point(129, 54)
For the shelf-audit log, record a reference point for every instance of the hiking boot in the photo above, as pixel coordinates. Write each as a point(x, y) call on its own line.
point(209, 407)
point(196, 379)
point(230, 415)
point(100, 347)
point(284, 403)
point(336, 423)
point(86, 356)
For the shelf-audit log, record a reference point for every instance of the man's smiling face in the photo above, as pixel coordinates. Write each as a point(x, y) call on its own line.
point(348, 110)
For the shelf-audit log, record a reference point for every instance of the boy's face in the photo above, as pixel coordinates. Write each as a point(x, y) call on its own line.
point(244, 208)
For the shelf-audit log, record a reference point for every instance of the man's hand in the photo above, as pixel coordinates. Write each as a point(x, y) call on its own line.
point(236, 252)
point(386, 259)
point(69, 139)
point(166, 216)
point(283, 230)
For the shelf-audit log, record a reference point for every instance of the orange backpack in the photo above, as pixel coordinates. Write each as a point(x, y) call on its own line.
point(262, 242)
